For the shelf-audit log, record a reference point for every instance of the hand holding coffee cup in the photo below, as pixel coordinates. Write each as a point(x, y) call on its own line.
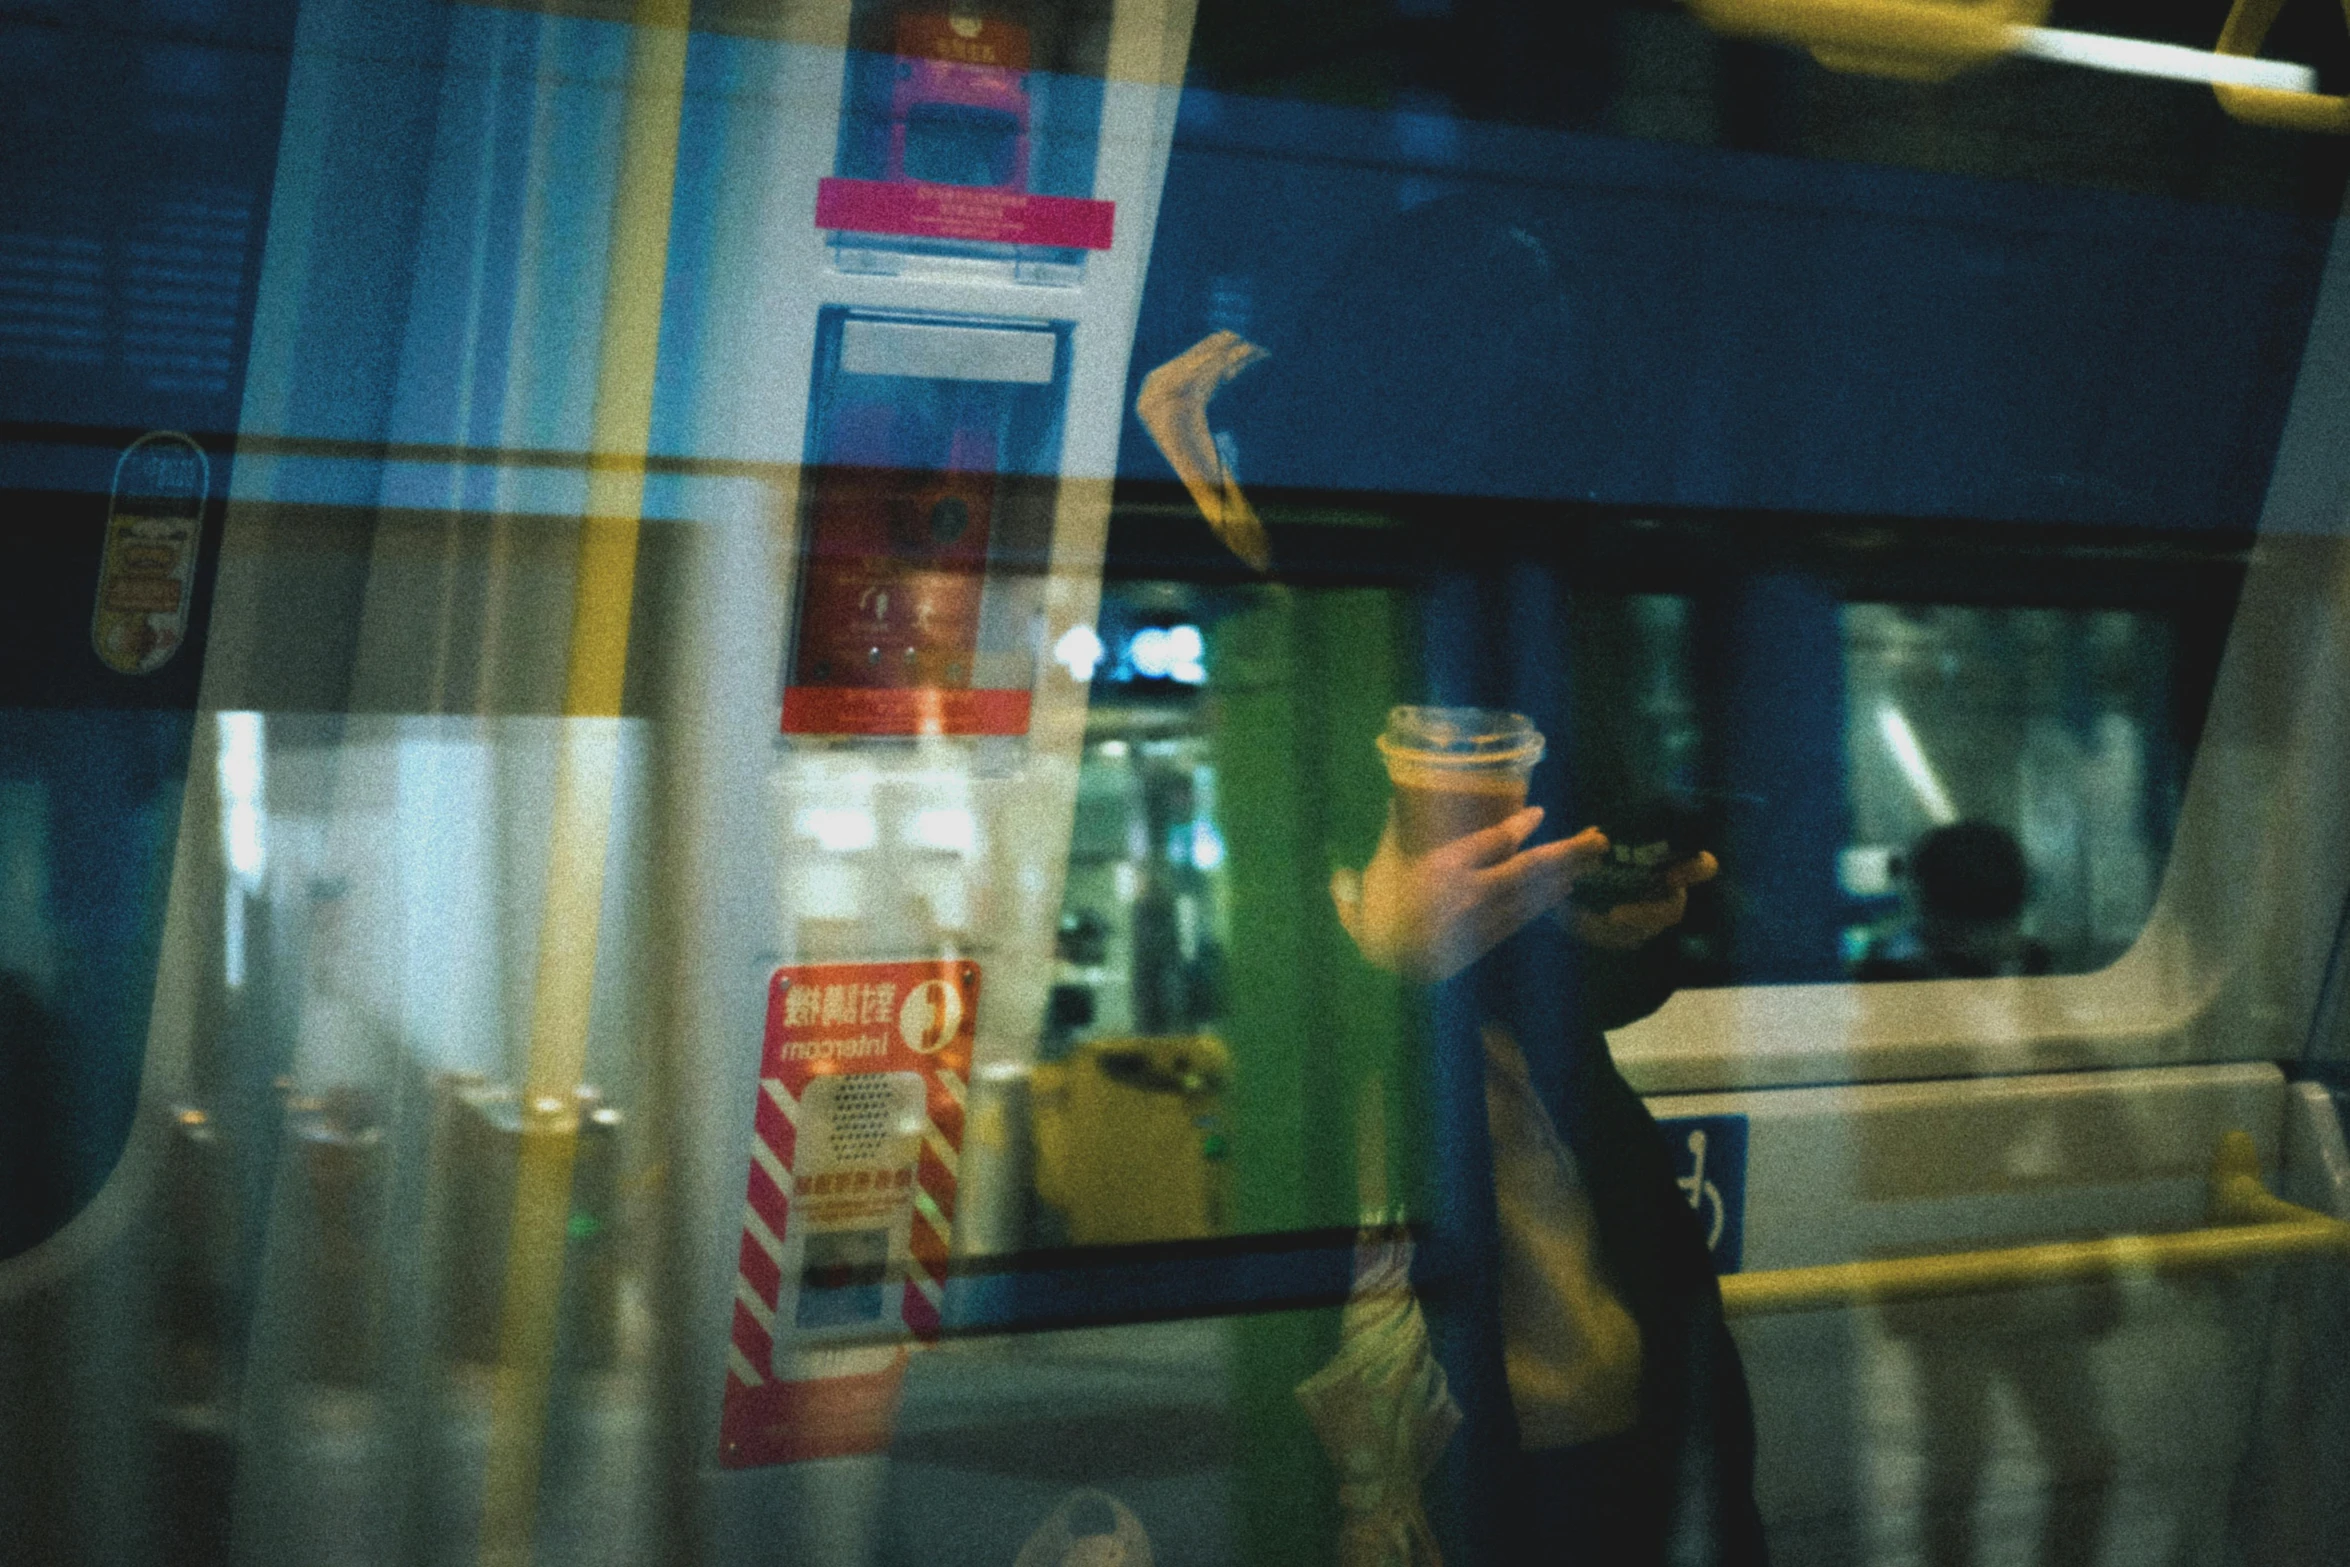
point(1428, 916)
point(1451, 879)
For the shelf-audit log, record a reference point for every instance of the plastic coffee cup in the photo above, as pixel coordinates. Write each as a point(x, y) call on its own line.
point(1455, 770)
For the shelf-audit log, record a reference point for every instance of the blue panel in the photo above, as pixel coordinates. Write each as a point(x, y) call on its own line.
point(1516, 311)
point(1779, 728)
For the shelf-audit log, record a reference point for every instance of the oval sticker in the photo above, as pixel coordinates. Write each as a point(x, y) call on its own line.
point(154, 526)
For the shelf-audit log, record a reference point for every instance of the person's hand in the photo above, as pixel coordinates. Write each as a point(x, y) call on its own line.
point(1430, 917)
point(1173, 407)
point(1630, 925)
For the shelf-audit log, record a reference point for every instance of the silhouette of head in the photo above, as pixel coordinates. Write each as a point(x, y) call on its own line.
point(1969, 871)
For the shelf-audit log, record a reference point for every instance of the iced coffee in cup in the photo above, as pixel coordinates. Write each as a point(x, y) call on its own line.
point(1455, 770)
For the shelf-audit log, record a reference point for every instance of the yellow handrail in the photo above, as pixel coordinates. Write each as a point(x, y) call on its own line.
point(603, 593)
point(2242, 34)
point(1917, 40)
point(2248, 1224)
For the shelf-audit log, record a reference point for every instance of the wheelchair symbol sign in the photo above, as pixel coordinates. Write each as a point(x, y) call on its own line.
point(1709, 1166)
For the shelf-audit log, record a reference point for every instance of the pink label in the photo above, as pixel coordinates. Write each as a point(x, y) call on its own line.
point(1001, 217)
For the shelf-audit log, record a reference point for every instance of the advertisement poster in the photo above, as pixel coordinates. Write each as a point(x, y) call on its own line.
point(925, 525)
point(929, 211)
point(849, 1204)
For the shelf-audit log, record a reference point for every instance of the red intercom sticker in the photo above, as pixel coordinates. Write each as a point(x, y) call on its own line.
point(849, 1206)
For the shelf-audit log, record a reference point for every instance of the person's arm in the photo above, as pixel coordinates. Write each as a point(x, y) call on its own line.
point(1430, 917)
point(1173, 407)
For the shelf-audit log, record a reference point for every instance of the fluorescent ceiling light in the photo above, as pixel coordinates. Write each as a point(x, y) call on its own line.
point(241, 751)
point(2172, 62)
point(1910, 757)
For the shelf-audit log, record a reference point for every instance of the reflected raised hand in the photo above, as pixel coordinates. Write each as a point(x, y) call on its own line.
point(1173, 407)
point(1429, 917)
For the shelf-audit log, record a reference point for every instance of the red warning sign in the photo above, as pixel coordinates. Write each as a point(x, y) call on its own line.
point(895, 578)
point(850, 1203)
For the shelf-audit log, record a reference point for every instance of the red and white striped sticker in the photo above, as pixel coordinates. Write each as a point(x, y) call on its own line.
point(849, 1209)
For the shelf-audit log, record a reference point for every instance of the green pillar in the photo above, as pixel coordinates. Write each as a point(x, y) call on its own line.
point(1302, 684)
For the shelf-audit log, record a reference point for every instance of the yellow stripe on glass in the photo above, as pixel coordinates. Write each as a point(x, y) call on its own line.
point(586, 766)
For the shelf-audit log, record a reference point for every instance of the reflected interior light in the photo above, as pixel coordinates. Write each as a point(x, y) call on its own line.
point(840, 829)
point(241, 782)
point(240, 795)
point(949, 827)
point(1191, 651)
point(1170, 653)
point(1866, 870)
point(1114, 749)
point(1207, 846)
point(2170, 62)
point(1902, 741)
point(1079, 651)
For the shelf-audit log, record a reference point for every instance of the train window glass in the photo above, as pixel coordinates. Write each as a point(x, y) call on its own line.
point(2013, 779)
point(496, 1069)
point(1228, 772)
point(1139, 1421)
point(2025, 761)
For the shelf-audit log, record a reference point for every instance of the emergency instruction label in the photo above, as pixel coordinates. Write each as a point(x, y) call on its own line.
point(849, 1202)
point(932, 211)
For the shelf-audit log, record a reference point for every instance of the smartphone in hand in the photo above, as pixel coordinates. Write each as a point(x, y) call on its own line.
point(1642, 845)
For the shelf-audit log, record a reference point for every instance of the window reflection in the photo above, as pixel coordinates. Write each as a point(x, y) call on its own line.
point(2053, 736)
point(1866, 476)
point(1132, 1133)
point(2053, 728)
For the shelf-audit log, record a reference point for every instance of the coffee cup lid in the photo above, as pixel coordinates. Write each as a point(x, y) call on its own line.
point(1463, 737)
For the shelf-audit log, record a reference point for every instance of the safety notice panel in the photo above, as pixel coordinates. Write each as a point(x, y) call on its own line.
point(849, 1206)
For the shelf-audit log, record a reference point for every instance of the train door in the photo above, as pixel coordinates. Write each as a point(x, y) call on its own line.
point(745, 375)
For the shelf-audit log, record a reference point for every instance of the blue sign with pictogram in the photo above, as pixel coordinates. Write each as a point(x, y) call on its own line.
point(1709, 1165)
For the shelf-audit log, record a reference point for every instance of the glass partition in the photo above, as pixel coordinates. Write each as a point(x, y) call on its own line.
point(1010, 782)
